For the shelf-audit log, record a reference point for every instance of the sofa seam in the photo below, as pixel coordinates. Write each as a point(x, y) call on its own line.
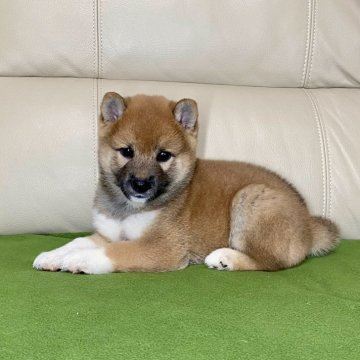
point(307, 46)
point(327, 155)
point(323, 149)
point(94, 90)
point(313, 38)
point(100, 36)
point(94, 38)
point(96, 7)
point(94, 133)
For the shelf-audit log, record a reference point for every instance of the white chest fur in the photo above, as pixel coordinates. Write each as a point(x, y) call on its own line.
point(130, 228)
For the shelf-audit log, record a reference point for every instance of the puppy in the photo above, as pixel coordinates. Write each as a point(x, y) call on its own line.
point(159, 208)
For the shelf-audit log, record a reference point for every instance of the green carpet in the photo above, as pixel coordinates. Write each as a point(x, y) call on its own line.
point(309, 312)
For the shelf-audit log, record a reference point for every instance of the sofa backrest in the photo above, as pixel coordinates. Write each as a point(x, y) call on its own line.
point(274, 43)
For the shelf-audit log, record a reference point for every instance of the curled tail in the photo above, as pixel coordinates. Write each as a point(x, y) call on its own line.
point(325, 235)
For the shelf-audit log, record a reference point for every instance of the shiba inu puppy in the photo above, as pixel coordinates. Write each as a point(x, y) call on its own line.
point(159, 208)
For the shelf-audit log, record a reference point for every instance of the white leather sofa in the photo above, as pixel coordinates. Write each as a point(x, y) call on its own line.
point(277, 83)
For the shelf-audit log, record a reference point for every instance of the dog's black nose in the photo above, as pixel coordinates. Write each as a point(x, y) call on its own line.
point(141, 185)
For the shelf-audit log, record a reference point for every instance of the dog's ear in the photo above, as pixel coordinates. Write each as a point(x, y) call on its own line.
point(112, 107)
point(186, 113)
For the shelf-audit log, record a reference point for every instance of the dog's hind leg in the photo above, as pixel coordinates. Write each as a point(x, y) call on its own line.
point(268, 231)
point(230, 260)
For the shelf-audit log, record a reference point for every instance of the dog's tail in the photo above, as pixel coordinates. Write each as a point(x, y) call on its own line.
point(325, 235)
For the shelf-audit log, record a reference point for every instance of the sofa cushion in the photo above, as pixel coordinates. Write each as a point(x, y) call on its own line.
point(48, 161)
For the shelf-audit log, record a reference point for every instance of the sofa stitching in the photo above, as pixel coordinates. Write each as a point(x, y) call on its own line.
point(101, 71)
point(94, 95)
point(100, 82)
point(94, 132)
point(96, 4)
point(100, 14)
point(327, 156)
point(323, 149)
point(307, 45)
point(95, 67)
point(313, 42)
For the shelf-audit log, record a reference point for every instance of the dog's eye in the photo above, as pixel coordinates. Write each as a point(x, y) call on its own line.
point(126, 152)
point(163, 156)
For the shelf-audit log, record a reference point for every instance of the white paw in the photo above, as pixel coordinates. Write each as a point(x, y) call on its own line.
point(88, 261)
point(53, 260)
point(221, 259)
point(50, 260)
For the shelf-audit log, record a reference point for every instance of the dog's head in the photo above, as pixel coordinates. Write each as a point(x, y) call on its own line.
point(147, 146)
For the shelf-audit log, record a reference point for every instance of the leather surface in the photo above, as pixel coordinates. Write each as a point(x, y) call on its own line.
point(47, 147)
point(334, 52)
point(338, 111)
point(275, 43)
point(204, 42)
point(48, 38)
point(47, 154)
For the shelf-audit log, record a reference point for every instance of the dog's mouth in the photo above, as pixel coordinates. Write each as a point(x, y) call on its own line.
point(142, 198)
point(138, 198)
point(135, 197)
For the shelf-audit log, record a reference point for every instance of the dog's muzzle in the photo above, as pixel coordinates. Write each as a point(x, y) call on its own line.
point(140, 188)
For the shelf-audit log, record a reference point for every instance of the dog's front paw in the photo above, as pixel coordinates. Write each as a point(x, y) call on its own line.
point(221, 259)
point(53, 260)
point(50, 260)
point(88, 261)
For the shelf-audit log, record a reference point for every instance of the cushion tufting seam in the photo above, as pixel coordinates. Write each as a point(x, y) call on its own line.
point(94, 132)
point(323, 142)
point(100, 36)
point(307, 46)
point(328, 161)
point(312, 41)
point(94, 29)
